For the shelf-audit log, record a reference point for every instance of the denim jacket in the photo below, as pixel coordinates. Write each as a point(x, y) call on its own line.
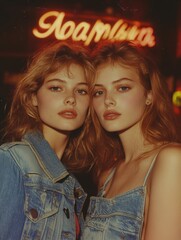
point(39, 199)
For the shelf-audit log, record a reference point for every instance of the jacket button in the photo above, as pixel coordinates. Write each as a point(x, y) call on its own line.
point(34, 213)
point(78, 193)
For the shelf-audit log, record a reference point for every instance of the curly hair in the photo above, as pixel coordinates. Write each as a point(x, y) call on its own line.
point(158, 120)
point(23, 116)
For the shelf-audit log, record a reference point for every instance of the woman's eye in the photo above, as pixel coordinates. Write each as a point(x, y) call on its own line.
point(56, 89)
point(82, 91)
point(123, 89)
point(97, 93)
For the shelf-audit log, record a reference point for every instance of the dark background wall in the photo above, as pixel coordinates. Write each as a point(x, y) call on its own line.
point(18, 17)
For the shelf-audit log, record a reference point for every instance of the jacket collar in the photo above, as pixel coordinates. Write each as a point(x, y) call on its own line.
point(46, 157)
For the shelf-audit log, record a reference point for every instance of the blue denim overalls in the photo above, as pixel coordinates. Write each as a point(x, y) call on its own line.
point(120, 217)
point(38, 197)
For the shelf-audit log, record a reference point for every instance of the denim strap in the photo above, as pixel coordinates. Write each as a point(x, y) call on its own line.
point(152, 163)
point(150, 168)
point(102, 190)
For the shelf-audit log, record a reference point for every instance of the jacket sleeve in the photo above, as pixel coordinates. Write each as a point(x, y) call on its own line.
point(11, 198)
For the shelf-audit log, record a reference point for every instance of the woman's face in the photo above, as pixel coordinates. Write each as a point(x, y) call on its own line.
point(63, 100)
point(119, 99)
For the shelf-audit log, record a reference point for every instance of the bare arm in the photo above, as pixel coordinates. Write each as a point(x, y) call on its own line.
point(164, 211)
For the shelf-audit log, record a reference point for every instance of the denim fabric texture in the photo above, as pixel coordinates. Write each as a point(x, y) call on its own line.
point(120, 217)
point(38, 197)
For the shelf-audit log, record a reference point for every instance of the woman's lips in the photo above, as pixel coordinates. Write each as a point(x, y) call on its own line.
point(111, 115)
point(68, 114)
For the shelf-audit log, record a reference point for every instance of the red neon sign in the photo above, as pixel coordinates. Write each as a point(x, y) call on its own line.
point(53, 22)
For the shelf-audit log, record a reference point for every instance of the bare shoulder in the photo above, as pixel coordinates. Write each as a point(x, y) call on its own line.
point(169, 153)
point(171, 146)
point(164, 205)
point(168, 160)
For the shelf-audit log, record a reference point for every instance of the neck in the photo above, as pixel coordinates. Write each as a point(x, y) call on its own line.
point(57, 140)
point(134, 143)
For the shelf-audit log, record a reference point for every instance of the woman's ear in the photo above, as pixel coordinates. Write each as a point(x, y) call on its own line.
point(149, 98)
point(34, 100)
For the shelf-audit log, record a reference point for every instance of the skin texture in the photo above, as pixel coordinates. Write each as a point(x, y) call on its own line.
point(62, 102)
point(119, 101)
point(121, 92)
point(164, 210)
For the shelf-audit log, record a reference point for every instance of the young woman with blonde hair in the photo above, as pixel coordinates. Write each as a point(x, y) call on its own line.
point(46, 141)
point(138, 164)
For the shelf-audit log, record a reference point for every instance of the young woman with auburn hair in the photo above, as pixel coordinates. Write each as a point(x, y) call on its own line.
point(46, 141)
point(138, 163)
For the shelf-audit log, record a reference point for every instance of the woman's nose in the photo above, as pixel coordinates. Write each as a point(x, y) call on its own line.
point(110, 102)
point(70, 100)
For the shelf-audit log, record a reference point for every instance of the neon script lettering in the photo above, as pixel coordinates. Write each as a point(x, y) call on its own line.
point(53, 22)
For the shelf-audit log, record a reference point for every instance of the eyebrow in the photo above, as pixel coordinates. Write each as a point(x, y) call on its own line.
point(63, 81)
point(114, 82)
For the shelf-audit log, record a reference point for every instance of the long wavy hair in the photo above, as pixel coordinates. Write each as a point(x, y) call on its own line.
point(23, 116)
point(158, 120)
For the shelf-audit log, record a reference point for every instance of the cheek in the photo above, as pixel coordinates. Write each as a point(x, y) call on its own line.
point(41, 97)
point(135, 101)
point(46, 103)
point(97, 106)
point(83, 104)
point(84, 111)
point(140, 101)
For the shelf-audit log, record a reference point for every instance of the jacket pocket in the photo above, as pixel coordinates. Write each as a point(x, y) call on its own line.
point(41, 201)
